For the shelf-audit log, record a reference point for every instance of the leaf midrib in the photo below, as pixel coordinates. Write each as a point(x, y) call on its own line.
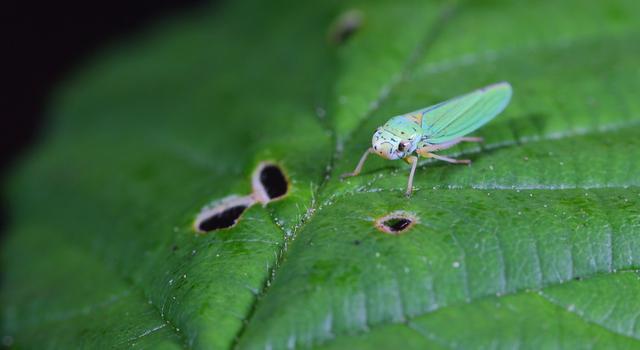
point(432, 35)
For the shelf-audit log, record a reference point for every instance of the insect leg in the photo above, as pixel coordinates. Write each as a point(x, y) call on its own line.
point(449, 144)
point(358, 168)
point(447, 159)
point(413, 160)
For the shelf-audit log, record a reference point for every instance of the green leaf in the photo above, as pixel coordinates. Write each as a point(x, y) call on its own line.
point(535, 245)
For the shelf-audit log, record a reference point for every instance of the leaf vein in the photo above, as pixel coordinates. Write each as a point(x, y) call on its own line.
point(563, 308)
point(409, 321)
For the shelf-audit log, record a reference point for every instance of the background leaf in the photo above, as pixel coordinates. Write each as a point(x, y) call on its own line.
point(535, 245)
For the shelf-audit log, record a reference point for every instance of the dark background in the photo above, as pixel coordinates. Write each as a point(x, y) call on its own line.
point(42, 43)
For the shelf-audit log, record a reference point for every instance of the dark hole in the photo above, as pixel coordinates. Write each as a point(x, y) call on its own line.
point(273, 181)
point(223, 219)
point(174, 247)
point(356, 242)
point(347, 25)
point(345, 32)
point(397, 224)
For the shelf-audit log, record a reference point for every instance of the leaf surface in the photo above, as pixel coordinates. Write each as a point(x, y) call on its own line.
point(535, 245)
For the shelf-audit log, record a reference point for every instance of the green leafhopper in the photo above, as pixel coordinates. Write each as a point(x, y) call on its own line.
point(436, 128)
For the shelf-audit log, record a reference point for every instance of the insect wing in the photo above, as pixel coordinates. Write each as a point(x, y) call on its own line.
point(463, 114)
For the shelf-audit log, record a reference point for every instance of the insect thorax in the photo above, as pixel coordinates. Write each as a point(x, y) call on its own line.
point(405, 127)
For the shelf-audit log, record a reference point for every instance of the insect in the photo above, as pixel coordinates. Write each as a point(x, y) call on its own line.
point(436, 128)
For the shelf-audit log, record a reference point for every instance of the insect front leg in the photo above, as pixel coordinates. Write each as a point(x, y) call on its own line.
point(358, 168)
point(413, 160)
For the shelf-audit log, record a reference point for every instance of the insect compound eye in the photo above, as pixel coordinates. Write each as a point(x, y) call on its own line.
point(401, 147)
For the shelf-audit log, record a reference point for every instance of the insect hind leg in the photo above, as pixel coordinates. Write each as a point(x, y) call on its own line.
point(449, 144)
point(427, 149)
point(472, 139)
point(449, 160)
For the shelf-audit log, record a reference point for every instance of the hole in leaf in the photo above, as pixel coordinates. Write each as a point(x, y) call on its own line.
point(222, 214)
point(396, 223)
point(345, 26)
point(223, 219)
point(269, 183)
point(273, 181)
